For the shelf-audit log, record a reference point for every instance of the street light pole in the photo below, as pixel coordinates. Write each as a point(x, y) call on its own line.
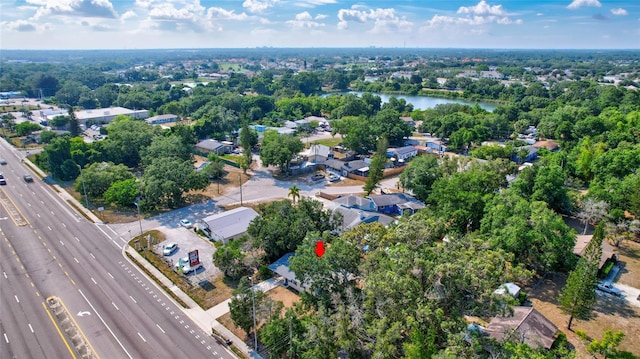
point(86, 199)
point(255, 327)
point(240, 181)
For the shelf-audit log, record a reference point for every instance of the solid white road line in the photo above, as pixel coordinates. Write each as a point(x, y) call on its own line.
point(105, 324)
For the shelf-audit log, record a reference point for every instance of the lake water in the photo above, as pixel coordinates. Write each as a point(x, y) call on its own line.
point(426, 102)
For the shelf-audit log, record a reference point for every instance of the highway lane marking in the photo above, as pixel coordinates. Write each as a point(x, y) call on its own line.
point(17, 300)
point(162, 330)
point(110, 275)
point(30, 327)
point(61, 242)
point(76, 259)
point(50, 228)
point(105, 324)
point(108, 236)
point(62, 206)
point(59, 264)
point(6, 338)
point(5, 275)
point(141, 337)
point(72, 282)
point(53, 214)
point(79, 328)
point(114, 304)
point(32, 285)
point(94, 281)
point(133, 299)
point(38, 214)
point(73, 355)
point(92, 256)
point(77, 239)
point(64, 225)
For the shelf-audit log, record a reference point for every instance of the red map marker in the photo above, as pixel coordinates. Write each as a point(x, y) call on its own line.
point(320, 248)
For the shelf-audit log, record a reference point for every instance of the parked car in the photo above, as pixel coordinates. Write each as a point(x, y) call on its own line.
point(186, 223)
point(334, 178)
point(182, 262)
point(609, 288)
point(186, 269)
point(3, 162)
point(317, 176)
point(27, 178)
point(169, 248)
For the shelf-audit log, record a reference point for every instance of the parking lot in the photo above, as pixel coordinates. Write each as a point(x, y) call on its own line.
point(187, 241)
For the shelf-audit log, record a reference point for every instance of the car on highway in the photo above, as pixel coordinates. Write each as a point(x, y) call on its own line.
point(186, 269)
point(3, 181)
point(27, 178)
point(169, 248)
point(186, 223)
point(3, 162)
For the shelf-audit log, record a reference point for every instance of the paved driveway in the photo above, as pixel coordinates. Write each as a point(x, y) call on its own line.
point(188, 241)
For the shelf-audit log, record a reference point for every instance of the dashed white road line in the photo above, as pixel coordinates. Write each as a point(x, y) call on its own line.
point(133, 299)
point(61, 242)
point(5, 275)
point(141, 337)
point(92, 256)
point(17, 300)
point(76, 259)
point(114, 304)
point(94, 281)
point(6, 338)
point(110, 275)
point(162, 330)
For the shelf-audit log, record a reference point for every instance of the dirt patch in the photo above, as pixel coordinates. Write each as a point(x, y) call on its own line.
point(284, 295)
point(226, 321)
point(610, 313)
point(630, 264)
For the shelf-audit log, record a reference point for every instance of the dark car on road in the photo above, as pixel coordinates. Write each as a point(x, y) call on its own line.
point(27, 178)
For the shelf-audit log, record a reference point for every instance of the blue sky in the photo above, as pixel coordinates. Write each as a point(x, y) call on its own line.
point(139, 24)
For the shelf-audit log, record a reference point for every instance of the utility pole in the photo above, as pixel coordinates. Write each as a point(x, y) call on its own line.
point(240, 181)
point(255, 327)
point(290, 338)
point(86, 199)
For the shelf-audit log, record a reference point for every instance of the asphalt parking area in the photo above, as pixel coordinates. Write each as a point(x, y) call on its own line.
point(188, 241)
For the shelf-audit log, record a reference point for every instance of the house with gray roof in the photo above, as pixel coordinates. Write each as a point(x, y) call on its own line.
point(281, 268)
point(228, 225)
point(213, 146)
point(396, 203)
point(402, 153)
point(353, 217)
point(358, 167)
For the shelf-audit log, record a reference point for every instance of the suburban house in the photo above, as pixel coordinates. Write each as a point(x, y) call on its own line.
point(581, 243)
point(402, 153)
point(281, 268)
point(318, 153)
point(106, 115)
point(435, 145)
point(357, 167)
point(353, 217)
point(228, 225)
point(409, 121)
point(548, 144)
point(213, 146)
point(396, 203)
point(526, 325)
point(160, 119)
point(532, 154)
point(391, 203)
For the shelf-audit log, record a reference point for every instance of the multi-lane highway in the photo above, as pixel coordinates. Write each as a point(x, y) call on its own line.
point(47, 249)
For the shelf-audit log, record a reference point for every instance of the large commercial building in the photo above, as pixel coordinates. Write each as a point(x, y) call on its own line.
point(102, 116)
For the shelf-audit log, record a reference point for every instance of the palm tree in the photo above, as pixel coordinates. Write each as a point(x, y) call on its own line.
point(294, 192)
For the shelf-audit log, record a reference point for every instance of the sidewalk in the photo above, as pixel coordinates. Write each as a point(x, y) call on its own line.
point(205, 319)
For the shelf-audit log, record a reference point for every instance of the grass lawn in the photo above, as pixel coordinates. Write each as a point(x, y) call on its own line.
point(331, 142)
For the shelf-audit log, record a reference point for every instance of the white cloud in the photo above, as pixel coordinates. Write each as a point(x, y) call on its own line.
point(313, 3)
point(166, 16)
point(258, 6)
point(321, 16)
point(383, 19)
point(304, 20)
point(128, 15)
point(220, 13)
point(480, 14)
point(19, 26)
point(84, 8)
point(619, 12)
point(575, 4)
point(483, 9)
